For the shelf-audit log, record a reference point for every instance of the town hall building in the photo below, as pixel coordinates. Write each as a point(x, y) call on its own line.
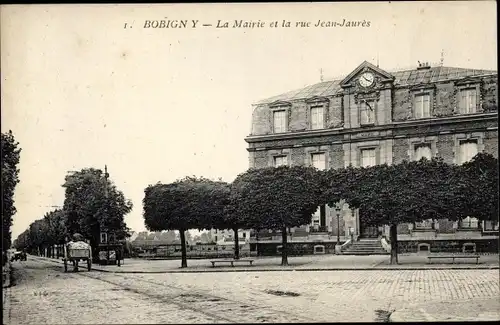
point(373, 117)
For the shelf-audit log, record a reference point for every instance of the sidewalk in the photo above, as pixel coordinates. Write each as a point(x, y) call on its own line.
point(6, 274)
point(468, 310)
point(300, 263)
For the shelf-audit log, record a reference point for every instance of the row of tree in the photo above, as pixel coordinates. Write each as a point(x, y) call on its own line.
point(92, 204)
point(11, 153)
point(276, 198)
point(285, 197)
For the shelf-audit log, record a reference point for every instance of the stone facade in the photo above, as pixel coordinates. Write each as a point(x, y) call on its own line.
point(385, 116)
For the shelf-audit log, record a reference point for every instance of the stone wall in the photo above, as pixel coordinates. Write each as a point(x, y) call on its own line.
point(449, 246)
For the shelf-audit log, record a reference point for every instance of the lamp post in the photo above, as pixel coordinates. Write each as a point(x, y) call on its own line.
point(106, 175)
point(337, 246)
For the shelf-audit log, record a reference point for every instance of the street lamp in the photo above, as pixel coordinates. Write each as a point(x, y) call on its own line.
point(337, 210)
point(337, 246)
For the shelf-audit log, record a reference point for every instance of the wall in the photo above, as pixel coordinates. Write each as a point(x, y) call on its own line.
point(449, 246)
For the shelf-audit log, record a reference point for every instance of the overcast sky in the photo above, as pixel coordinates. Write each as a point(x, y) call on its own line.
point(80, 90)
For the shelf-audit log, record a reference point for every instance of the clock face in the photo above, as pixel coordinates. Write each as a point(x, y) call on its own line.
point(366, 79)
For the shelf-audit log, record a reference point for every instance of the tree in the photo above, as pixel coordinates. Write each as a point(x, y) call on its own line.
point(407, 192)
point(56, 227)
point(22, 241)
point(10, 178)
point(92, 202)
point(277, 198)
point(480, 195)
point(189, 203)
point(38, 236)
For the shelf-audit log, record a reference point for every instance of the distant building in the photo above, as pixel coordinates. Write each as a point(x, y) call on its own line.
point(226, 235)
point(372, 117)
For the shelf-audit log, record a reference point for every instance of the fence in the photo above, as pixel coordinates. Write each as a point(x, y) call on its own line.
point(192, 251)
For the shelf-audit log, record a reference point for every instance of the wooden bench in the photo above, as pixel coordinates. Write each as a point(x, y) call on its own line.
point(453, 257)
point(231, 262)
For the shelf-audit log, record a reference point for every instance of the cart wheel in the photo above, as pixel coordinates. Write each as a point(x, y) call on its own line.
point(89, 264)
point(65, 265)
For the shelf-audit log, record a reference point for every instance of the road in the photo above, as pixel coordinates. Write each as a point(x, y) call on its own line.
point(44, 294)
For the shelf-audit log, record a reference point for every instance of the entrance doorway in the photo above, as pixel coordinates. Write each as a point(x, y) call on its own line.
point(368, 231)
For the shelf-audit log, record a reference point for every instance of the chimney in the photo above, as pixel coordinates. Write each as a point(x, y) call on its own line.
point(423, 65)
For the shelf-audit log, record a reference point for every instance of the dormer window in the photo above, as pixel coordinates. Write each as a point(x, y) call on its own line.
point(468, 100)
point(422, 106)
point(279, 121)
point(317, 117)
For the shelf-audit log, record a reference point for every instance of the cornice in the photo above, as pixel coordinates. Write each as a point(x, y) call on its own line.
point(386, 127)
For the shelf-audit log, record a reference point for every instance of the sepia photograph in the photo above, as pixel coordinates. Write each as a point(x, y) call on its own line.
point(284, 162)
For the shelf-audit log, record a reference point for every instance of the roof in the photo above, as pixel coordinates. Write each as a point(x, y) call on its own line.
point(401, 78)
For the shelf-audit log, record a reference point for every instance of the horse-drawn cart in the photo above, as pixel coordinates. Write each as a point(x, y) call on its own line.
point(74, 252)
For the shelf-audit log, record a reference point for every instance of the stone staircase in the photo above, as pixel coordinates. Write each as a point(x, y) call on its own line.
point(365, 247)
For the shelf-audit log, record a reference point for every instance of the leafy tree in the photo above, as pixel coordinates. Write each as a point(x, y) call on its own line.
point(92, 202)
point(277, 198)
point(407, 192)
point(22, 241)
point(190, 203)
point(480, 195)
point(10, 178)
point(56, 227)
point(38, 236)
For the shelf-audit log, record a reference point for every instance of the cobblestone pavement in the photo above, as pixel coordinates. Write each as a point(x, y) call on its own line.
point(43, 294)
point(345, 296)
point(312, 262)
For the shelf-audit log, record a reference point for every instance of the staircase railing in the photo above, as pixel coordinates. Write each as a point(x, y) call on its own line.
point(345, 245)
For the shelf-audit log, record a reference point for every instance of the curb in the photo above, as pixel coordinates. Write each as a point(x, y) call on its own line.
point(285, 269)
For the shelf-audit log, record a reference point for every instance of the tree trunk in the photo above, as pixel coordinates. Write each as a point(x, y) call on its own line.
point(284, 256)
point(236, 244)
point(183, 248)
point(394, 243)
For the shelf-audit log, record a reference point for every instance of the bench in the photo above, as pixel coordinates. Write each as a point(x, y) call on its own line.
point(231, 262)
point(453, 257)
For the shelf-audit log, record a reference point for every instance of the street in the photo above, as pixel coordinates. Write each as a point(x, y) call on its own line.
point(43, 293)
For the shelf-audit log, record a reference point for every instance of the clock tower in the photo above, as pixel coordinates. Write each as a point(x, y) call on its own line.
point(367, 96)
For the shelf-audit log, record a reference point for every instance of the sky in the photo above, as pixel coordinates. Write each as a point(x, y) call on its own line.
point(80, 89)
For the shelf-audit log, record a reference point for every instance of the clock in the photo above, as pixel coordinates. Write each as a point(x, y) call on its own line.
point(366, 79)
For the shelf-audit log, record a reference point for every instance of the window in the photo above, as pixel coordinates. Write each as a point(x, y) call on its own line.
point(468, 100)
point(318, 160)
point(279, 118)
point(280, 161)
point(422, 107)
point(368, 158)
point(467, 150)
point(104, 237)
point(317, 117)
point(423, 151)
point(469, 223)
point(244, 235)
point(367, 112)
point(426, 224)
point(316, 216)
point(215, 238)
point(490, 225)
